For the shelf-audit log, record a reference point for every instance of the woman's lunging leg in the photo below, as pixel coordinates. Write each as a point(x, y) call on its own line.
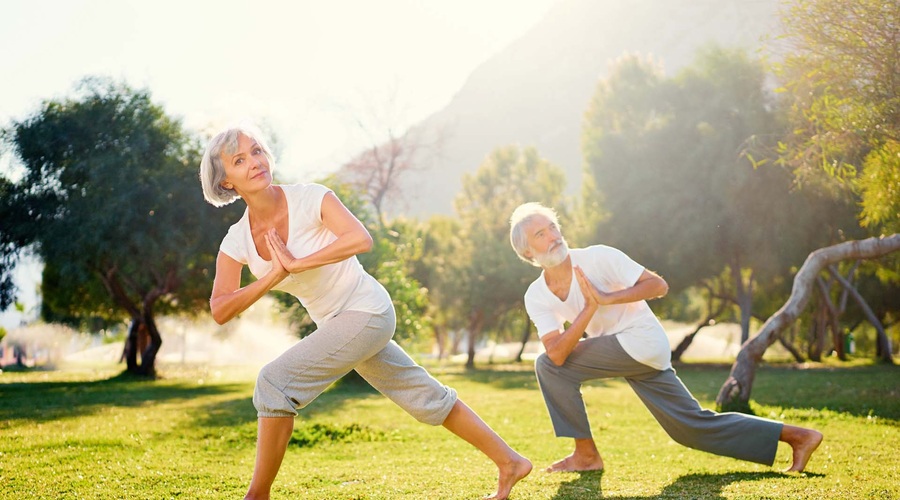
point(272, 439)
point(466, 424)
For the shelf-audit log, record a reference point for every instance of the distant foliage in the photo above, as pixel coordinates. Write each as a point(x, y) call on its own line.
point(840, 79)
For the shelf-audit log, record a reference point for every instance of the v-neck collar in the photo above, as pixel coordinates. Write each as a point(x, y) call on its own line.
point(571, 285)
point(250, 227)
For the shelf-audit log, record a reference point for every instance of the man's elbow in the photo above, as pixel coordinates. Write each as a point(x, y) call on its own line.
point(663, 288)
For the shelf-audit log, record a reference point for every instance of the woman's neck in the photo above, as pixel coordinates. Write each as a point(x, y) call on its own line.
point(264, 205)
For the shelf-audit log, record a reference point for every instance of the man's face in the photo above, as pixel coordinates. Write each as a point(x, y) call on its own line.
point(546, 244)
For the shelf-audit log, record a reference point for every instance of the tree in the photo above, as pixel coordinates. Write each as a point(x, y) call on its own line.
point(673, 159)
point(442, 271)
point(735, 393)
point(841, 82)
point(494, 279)
point(844, 115)
point(12, 238)
point(113, 208)
point(379, 170)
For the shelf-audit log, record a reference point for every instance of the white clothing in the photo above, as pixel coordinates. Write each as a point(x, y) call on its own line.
point(324, 291)
point(634, 324)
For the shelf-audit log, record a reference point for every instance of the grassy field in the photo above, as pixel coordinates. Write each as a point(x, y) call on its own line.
point(89, 433)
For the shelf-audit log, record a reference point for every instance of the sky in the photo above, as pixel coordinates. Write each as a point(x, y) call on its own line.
point(307, 71)
point(321, 76)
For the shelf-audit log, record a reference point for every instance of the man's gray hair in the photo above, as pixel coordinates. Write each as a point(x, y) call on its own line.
point(212, 171)
point(521, 216)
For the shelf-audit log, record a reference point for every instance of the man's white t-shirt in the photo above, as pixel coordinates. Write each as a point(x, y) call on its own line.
point(324, 291)
point(610, 270)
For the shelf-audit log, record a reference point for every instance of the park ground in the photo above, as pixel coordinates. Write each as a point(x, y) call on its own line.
point(86, 431)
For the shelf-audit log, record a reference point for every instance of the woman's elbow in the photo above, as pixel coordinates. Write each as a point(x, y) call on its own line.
point(219, 316)
point(366, 242)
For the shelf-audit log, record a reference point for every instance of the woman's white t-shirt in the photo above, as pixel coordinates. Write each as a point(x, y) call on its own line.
point(324, 291)
point(610, 270)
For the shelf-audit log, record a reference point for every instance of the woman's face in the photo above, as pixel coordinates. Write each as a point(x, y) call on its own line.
point(246, 169)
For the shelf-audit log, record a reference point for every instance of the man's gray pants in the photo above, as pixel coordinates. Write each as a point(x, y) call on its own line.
point(735, 435)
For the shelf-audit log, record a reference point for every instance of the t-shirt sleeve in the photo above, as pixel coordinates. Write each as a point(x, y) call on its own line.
point(308, 199)
point(234, 245)
point(543, 317)
point(620, 270)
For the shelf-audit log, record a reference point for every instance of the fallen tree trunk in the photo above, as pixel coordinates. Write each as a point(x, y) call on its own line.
point(735, 392)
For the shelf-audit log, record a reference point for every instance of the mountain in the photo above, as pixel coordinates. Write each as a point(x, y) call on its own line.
point(535, 92)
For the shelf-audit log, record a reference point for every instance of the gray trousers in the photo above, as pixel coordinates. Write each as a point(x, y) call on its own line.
point(735, 435)
point(352, 340)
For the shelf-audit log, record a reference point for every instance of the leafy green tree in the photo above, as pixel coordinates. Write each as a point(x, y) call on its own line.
point(673, 158)
point(844, 93)
point(844, 115)
point(843, 103)
point(113, 208)
point(441, 270)
point(493, 279)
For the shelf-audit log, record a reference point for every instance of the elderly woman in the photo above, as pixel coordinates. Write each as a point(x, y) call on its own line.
point(302, 240)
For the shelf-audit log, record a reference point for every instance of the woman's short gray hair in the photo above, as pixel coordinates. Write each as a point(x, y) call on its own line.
point(521, 216)
point(212, 171)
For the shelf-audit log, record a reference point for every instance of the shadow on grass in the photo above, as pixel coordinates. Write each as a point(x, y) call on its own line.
point(708, 486)
point(584, 485)
point(44, 401)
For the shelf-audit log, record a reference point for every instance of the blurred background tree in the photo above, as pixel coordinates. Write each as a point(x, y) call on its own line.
point(109, 201)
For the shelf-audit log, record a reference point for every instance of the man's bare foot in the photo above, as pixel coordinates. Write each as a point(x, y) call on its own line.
point(803, 442)
point(576, 463)
point(510, 474)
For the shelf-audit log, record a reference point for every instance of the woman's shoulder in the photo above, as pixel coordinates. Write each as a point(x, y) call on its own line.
point(301, 189)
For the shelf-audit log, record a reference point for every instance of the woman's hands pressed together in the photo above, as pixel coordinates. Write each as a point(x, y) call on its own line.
point(283, 261)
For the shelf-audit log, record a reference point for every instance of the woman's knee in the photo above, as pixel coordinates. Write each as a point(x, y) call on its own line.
point(269, 398)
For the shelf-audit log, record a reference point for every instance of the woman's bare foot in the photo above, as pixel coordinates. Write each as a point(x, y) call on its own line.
point(510, 474)
point(577, 462)
point(803, 443)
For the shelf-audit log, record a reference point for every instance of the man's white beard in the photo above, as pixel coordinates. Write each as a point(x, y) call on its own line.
point(553, 257)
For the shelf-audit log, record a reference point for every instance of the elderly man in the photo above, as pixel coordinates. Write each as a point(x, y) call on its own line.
point(601, 294)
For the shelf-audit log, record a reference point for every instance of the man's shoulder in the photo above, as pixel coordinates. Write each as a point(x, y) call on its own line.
point(536, 289)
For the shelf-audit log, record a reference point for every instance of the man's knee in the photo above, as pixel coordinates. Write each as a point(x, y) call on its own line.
point(544, 365)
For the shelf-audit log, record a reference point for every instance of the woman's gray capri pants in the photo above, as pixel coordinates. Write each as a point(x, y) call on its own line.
point(351, 340)
point(736, 435)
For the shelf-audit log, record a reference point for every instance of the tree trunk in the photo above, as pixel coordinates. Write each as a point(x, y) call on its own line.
point(884, 344)
point(440, 338)
point(798, 357)
point(735, 392)
point(688, 339)
point(475, 323)
point(744, 295)
point(526, 334)
point(833, 319)
point(148, 357)
point(130, 351)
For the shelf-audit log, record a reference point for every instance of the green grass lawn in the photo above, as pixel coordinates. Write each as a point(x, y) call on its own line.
point(88, 433)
